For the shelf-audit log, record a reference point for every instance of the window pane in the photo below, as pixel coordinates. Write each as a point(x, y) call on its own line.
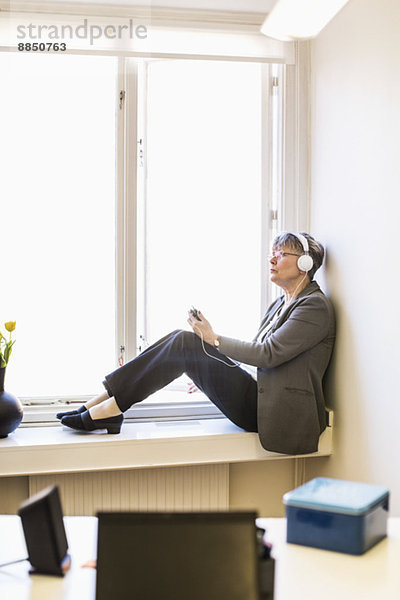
point(203, 211)
point(57, 189)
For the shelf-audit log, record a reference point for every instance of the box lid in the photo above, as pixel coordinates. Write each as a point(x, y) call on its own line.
point(326, 494)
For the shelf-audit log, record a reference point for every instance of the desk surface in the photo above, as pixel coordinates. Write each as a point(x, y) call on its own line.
point(17, 584)
point(304, 573)
point(312, 574)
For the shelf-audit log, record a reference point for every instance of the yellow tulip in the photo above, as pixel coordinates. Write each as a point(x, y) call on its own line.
point(10, 325)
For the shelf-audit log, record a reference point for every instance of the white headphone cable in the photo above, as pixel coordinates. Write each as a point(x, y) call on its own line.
point(210, 355)
point(297, 287)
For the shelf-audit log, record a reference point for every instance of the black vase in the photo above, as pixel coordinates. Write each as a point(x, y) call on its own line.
point(10, 409)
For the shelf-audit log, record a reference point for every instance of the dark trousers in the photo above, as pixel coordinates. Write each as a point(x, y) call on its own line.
point(232, 390)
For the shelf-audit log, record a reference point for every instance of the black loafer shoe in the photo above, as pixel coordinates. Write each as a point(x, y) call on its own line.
point(68, 413)
point(84, 422)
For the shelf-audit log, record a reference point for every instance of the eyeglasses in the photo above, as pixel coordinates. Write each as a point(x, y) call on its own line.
point(280, 254)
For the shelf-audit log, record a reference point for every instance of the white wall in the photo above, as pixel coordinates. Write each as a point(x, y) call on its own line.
point(356, 212)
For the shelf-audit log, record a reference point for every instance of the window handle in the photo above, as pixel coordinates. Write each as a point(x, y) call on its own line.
point(121, 355)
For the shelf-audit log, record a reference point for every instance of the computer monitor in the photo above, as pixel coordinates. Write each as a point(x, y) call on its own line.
point(177, 556)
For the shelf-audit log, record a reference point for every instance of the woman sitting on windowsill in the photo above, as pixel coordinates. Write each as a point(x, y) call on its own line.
point(275, 391)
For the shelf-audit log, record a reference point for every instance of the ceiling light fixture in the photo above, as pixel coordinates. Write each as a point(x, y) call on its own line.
point(300, 19)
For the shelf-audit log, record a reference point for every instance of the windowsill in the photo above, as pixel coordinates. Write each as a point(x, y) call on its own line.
point(55, 449)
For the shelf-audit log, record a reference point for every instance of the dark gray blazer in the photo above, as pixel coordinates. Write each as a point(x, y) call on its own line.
point(291, 362)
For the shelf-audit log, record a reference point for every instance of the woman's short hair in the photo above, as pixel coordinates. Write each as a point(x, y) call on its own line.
point(290, 240)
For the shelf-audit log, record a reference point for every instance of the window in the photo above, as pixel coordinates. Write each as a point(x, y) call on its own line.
point(205, 154)
point(57, 122)
point(203, 227)
point(202, 199)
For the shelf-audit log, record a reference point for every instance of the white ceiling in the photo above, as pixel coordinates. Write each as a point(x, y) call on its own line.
point(261, 6)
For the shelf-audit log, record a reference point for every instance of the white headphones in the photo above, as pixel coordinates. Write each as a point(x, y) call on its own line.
point(304, 262)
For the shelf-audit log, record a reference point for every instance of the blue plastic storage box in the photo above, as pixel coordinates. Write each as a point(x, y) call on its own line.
point(344, 516)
